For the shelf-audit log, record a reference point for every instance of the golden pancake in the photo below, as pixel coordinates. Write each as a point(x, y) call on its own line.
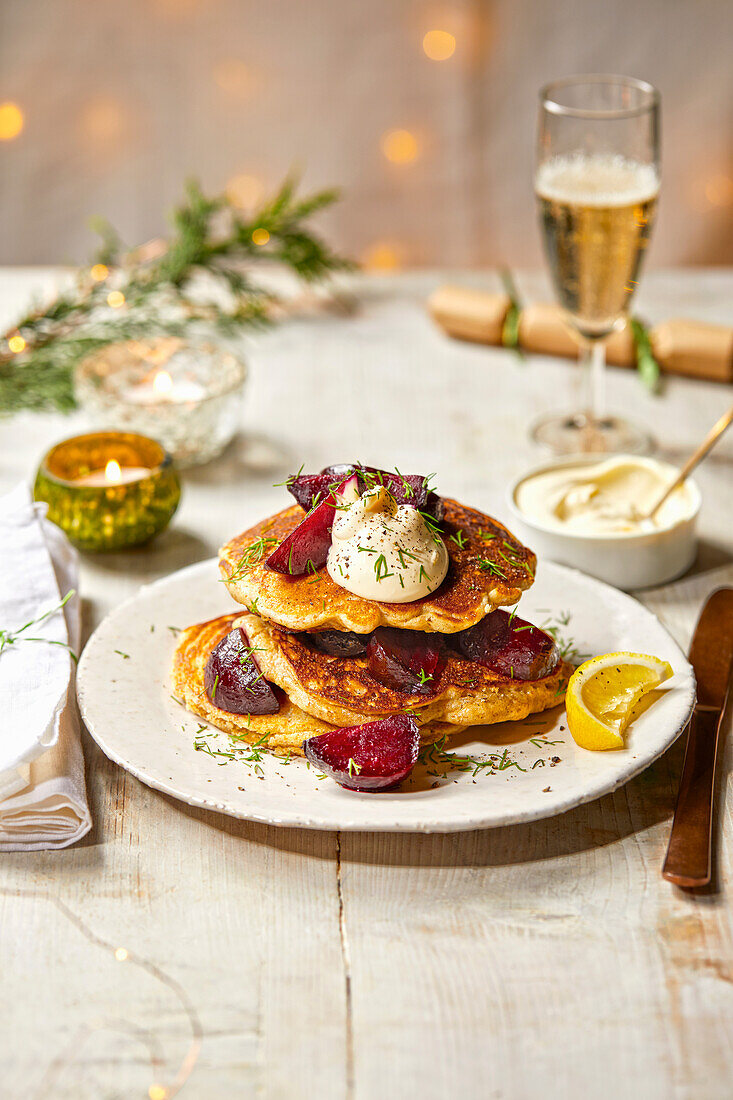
point(284, 731)
point(489, 568)
point(341, 689)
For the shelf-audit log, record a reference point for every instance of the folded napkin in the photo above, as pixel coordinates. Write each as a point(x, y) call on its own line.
point(43, 802)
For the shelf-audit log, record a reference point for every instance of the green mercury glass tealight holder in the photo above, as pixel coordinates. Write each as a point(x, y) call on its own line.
point(109, 490)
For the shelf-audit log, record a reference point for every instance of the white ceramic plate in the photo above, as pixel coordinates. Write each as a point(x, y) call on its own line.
point(127, 706)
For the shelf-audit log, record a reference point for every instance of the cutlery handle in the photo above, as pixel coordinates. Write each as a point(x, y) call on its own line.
point(689, 861)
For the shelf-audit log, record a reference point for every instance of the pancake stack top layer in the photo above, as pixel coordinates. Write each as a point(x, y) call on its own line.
point(488, 568)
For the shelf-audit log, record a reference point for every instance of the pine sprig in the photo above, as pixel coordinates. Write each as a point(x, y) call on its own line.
point(161, 287)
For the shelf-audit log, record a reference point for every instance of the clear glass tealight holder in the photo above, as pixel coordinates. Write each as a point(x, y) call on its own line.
point(186, 393)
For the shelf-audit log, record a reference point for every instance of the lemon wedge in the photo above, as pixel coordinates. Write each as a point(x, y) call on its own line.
point(603, 692)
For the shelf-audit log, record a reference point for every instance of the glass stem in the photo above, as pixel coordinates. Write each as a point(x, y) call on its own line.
point(593, 362)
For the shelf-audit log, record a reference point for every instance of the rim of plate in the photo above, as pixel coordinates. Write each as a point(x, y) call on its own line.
point(433, 824)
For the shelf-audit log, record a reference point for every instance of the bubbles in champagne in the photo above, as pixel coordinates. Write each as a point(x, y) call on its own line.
point(596, 179)
point(596, 212)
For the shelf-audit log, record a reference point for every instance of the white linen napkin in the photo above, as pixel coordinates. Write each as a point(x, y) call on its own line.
point(43, 802)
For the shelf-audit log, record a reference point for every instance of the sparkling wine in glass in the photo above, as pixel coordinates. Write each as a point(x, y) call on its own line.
point(597, 184)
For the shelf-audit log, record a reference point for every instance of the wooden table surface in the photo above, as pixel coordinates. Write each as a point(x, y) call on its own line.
point(542, 960)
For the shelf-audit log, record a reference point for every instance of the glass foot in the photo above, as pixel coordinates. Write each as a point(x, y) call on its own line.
point(581, 434)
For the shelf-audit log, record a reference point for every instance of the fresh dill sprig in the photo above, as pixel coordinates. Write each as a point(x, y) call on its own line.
point(486, 565)
point(435, 757)
point(381, 569)
point(251, 556)
point(10, 637)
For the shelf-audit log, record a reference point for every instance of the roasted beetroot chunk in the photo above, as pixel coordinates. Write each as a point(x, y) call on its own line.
point(408, 660)
point(509, 645)
point(338, 643)
point(310, 489)
point(373, 757)
point(306, 548)
point(233, 681)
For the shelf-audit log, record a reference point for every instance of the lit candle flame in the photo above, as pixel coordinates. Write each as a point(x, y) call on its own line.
point(162, 383)
point(112, 472)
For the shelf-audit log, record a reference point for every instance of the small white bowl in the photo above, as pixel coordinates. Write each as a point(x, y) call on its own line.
point(624, 560)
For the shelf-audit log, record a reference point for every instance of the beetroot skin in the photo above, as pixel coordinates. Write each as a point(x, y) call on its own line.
point(408, 660)
point(306, 548)
point(374, 757)
point(310, 489)
point(234, 682)
point(338, 643)
point(509, 645)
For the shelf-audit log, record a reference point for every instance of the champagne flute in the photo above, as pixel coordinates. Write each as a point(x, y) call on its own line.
point(596, 183)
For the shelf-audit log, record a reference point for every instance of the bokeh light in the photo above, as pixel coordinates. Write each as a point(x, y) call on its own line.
point(11, 121)
point(260, 236)
point(245, 191)
point(162, 383)
point(233, 76)
point(383, 256)
point(16, 343)
point(115, 299)
point(99, 272)
point(719, 190)
point(399, 146)
point(439, 45)
point(105, 119)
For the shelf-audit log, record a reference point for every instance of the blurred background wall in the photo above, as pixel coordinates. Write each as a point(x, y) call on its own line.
point(108, 106)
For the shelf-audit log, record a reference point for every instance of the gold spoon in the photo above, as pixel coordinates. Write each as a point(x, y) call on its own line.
point(707, 444)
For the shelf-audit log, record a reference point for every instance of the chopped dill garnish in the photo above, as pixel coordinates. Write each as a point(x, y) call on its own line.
point(435, 756)
point(381, 569)
point(290, 478)
point(540, 742)
point(251, 556)
point(486, 565)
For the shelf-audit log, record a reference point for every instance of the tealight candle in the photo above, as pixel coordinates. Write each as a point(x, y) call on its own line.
point(113, 474)
point(185, 393)
point(108, 490)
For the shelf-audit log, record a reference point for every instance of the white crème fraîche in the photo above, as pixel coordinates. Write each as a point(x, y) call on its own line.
point(612, 497)
point(385, 551)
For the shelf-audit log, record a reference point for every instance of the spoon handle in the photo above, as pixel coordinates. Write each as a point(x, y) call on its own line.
point(708, 442)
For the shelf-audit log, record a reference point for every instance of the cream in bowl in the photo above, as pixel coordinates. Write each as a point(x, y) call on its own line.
point(592, 512)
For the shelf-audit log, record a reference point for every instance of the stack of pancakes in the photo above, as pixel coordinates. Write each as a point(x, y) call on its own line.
point(488, 569)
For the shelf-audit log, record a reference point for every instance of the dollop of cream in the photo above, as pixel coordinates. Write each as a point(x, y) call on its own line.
point(385, 551)
point(611, 497)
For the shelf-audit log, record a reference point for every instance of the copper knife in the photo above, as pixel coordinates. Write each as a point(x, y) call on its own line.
point(689, 859)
